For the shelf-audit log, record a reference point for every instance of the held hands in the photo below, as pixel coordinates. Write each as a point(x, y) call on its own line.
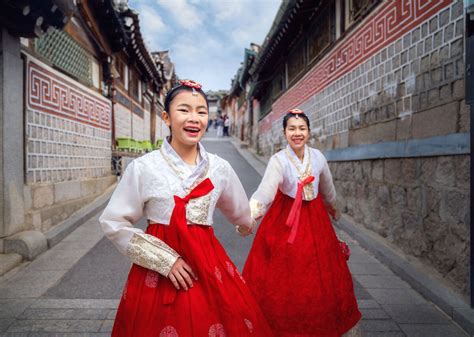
point(245, 230)
point(181, 275)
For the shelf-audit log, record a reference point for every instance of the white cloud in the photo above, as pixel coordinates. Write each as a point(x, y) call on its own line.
point(256, 23)
point(206, 38)
point(227, 10)
point(152, 26)
point(186, 14)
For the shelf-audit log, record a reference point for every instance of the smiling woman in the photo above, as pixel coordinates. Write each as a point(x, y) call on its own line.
point(182, 282)
point(186, 114)
point(297, 267)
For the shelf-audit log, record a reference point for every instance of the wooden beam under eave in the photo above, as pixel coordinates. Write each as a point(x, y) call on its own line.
point(88, 14)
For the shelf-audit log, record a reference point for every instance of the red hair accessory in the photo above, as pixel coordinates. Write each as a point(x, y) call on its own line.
point(191, 84)
point(296, 112)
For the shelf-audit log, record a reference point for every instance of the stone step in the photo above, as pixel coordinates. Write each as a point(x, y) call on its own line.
point(8, 262)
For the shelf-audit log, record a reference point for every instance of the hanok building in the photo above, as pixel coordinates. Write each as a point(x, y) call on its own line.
point(244, 123)
point(214, 99)
point(76, 77)
point(383, 85)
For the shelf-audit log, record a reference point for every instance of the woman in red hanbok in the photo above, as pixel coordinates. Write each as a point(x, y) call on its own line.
point(182, 283)
point(297, 267)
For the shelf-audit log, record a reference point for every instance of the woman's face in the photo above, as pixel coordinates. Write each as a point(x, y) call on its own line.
point(296, 133)
point(187, 118)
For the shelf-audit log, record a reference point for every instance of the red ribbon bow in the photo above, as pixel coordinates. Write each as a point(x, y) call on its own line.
point(179, 238)
point(191, 84)
point(296, 111)
point(294, 216)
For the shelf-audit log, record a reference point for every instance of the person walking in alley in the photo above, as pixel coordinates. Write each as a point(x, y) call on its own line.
point(226, 126)
point(182, 283)
point(220, 127)
point(297, 267)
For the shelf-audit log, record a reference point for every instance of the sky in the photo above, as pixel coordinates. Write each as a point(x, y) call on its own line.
point(206, 38)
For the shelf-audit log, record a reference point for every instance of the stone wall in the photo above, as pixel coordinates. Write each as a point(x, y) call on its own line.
point(11, 136)
point(67, 143)
point(67, 128)
point(123, 121)
point(50, 203)
point(138, 130)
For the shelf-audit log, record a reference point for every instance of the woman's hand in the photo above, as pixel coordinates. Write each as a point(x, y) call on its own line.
point(181, 275)
point(244, 230)
point(334, 212)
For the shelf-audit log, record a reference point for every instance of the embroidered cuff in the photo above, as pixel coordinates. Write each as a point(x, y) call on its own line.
point(152, 253)
point(257, 209)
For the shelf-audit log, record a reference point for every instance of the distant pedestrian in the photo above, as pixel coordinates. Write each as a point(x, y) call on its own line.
point(226, 126)
point(220, 127)
point(297, 267)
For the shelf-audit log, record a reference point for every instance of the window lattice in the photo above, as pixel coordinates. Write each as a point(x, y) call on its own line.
point(66, 54)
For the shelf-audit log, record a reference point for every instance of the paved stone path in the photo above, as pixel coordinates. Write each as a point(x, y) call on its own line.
point(74, 288)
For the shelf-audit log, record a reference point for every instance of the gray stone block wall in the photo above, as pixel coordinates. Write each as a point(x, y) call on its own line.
point(138, 129)
point(123, 121)
point(59, 149)
point(419, 204)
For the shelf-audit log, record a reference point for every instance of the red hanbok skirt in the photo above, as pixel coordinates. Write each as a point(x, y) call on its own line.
point(304, 289)
point(218, 305)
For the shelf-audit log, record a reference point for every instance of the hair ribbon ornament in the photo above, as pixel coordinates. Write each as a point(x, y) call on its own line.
point(191, 84)
point(296, 112)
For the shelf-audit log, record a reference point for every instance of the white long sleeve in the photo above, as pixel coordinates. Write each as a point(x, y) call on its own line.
point(233, 200)
point(266, 191)
point(327, 185)
point(124, 209)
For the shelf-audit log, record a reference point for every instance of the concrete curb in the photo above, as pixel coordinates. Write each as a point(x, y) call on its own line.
point(428, 287)
point(63, 229)
point(29, 244)
point(431, 289)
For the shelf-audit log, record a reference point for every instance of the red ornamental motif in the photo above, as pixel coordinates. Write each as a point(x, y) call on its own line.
point(168, 331)
point(295, 111)
point(218, 274)
point(230, 268)
point(217, 330)
point(346, 251)
point(151, 279)
point(249, 325)
point(191, 84)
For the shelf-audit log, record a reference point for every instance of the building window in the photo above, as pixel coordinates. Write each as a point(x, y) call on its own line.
point(296, 62)
point(134, 85)
point(66, 54)
point(265, 104)
point(321, 33)
point(356, 9)
point(96, 73)
point(278, 83)
point(241, 99)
